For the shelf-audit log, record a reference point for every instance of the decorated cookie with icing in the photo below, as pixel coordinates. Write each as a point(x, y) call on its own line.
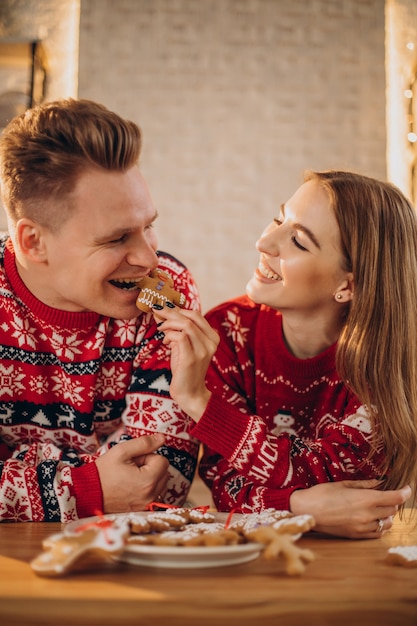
point(157, 288)
point(200, 534)
point(403, 555)
point(99, 540)
point(278, 543)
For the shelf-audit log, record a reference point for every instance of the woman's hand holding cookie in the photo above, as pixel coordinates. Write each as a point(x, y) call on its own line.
point(193, 343)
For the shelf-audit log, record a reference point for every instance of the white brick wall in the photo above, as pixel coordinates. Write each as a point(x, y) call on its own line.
point(236, 98)
point(56, 24)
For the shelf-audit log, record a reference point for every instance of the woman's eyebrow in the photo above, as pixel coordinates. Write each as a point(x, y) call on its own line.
point(305, 230)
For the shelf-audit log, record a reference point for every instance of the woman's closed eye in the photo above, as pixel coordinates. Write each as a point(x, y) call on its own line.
point(278, 221)
point(297, 243)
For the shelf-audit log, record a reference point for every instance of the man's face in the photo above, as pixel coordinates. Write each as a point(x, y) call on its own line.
point(106, 245)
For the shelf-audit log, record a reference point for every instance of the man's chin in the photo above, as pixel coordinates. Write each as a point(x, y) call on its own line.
point(120, 313)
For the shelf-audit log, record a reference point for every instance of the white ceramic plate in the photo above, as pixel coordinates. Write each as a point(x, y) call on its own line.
point(179, 556)
point(190, 557)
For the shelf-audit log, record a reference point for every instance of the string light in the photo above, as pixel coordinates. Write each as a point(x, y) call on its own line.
point(409, 94)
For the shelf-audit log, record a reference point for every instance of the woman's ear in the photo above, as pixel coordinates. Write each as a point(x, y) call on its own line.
point(29, 240)
point(344, 293)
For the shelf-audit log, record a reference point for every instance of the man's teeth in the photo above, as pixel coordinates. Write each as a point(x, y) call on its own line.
point(128, 285)
point(268, 273)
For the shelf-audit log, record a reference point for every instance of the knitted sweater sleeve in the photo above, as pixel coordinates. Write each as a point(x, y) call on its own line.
point(229, 481)
point(36, 485)
point(250, 465)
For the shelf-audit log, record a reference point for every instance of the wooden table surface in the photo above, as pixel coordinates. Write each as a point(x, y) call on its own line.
point(348, 584)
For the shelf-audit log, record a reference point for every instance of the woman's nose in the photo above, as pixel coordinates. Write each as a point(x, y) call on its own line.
point(268, 242)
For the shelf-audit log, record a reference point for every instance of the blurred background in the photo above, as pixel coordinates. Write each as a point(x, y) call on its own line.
point(235, 98)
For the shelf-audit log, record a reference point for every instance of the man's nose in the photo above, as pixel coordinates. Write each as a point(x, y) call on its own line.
point(142, 254)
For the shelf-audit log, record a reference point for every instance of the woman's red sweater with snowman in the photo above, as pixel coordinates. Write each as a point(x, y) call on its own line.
point(276, 423)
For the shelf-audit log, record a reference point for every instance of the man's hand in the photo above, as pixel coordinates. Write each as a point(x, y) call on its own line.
point(350, 508)
point(131, 475)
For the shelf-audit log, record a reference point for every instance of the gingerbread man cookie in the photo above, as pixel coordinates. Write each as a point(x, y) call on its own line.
point(99, 540)
point(157, 288)
point(281, 543)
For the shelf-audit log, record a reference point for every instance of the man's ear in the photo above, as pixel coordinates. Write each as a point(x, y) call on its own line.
point(344, 293)
point(30, 241)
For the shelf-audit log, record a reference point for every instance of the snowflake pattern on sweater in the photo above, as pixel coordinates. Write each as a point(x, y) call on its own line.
point(71, 386)
point(276, 423)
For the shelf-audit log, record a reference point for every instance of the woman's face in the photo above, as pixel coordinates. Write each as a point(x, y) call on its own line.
point(300, 265)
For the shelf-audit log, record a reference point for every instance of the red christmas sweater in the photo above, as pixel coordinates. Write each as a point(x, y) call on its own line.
point(72, 385)
point(276, 423)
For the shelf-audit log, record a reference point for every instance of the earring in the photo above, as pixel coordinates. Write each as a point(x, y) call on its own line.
point(339, 296)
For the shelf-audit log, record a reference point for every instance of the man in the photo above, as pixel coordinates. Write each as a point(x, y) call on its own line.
point(84, 393)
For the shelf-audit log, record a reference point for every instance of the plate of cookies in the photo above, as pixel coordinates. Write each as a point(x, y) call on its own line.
point(177, 538)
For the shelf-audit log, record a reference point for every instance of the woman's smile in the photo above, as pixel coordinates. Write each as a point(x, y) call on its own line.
point(266, 272)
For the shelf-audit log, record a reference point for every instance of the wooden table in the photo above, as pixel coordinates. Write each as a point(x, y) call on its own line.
point(348, 584)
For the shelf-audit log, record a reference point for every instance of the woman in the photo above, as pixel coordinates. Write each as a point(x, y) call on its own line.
point(314, 379)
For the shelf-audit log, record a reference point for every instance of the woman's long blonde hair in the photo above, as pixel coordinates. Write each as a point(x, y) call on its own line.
point(377, 348)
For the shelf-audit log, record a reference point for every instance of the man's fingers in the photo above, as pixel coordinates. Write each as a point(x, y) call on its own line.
point(156, 463)
point(162, 485)
point(139, 446)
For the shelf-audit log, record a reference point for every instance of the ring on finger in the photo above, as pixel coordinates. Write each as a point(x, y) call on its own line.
point(380, 526)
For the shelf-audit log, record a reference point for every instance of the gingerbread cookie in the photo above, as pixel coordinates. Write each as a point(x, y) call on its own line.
point(266, 518)
point(157, 288)
point(139, 524)
point(294, 525)
point(158, 521)
point(197, 516)
point(94, 541)
point(278, 532)
point(201, 534)
point(279, 543)
point(403, 555)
